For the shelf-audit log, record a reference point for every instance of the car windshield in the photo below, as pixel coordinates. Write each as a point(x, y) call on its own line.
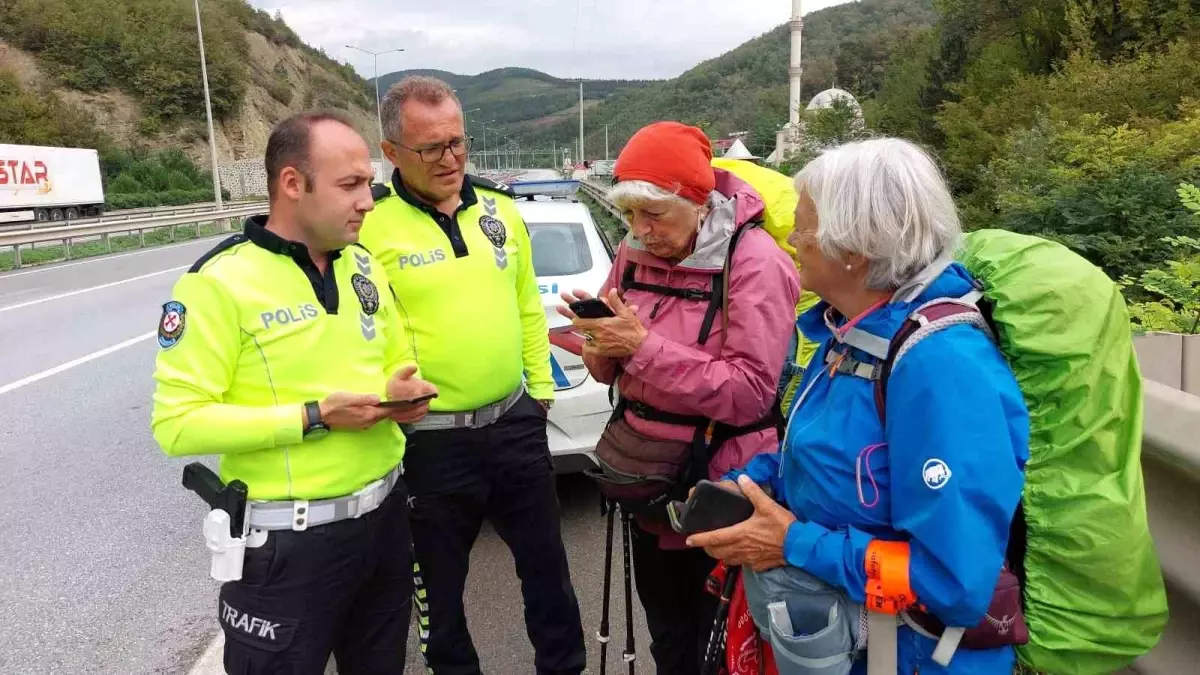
point(559, 249)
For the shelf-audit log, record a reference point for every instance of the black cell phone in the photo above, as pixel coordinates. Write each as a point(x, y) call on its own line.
point(592, 308)
point(406, 403)
point(711, 507)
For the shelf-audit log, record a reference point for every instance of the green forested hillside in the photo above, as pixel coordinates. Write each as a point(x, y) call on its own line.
point(148, 49)
point(512, 96)
point(1072, 119)
point(746, 89)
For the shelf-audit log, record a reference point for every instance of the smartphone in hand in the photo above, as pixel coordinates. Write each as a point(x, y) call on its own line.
point(592, 308)
point(406, 403)
point(711, 507)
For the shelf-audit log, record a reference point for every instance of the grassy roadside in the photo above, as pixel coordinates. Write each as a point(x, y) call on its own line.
point(96, 247)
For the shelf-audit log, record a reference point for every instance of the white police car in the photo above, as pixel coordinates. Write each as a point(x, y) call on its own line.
point(569, 252)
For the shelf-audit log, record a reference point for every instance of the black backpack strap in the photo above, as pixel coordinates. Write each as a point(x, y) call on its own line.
point(716, 301)
point(719, 298)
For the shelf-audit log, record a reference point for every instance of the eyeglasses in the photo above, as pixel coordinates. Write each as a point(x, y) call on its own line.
point(457, 147)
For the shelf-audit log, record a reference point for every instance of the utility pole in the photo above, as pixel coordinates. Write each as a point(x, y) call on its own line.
point(581, 121)
point(378, 113)
point(212, 138)
point(605, 141)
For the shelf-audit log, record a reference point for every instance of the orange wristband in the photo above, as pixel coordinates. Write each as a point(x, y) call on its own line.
point(888, 589)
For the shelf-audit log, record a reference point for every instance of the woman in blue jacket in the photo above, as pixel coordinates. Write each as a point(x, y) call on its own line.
point(941, 478)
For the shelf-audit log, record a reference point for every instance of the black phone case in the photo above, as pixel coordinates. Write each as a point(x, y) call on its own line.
point(591, 309)
point(711, 507)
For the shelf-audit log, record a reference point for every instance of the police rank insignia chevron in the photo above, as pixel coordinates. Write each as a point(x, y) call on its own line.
point(368, 295)
point(494, 230)
point(171, 325)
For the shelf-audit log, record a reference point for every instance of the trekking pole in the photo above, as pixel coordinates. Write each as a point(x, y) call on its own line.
point(712, 656)
point(630, 654)
point(608, 509)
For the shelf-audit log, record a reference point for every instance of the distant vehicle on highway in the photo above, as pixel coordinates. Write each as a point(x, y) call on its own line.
point(40, 183)
point(569, 252)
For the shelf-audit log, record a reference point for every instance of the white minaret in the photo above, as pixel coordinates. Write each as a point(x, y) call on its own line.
point(794, 67)
point(788, 139)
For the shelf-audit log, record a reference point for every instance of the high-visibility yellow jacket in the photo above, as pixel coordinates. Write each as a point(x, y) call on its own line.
point(252, 332)
point(467, 291)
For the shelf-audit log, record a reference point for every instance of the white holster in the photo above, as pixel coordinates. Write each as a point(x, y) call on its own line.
point(228, 552)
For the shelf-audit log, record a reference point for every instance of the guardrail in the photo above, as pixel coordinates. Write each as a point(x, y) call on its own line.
point(66, 233)
point(597, 192)
point(129, 214)
point(1171, 469)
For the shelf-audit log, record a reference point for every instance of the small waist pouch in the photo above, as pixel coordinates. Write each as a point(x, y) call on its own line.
point(813, 628)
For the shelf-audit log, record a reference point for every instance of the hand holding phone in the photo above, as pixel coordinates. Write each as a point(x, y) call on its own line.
point(710, 507)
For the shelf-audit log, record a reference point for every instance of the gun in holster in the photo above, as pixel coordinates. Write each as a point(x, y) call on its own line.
point(225, 525)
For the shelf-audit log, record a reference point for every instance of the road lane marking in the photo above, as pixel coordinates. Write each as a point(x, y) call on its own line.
point(110, 284)
point(106, 257)
point(77, 362)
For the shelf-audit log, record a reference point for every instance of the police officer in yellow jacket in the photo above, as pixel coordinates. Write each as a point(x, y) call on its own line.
point(277, 348)
point(458, 257)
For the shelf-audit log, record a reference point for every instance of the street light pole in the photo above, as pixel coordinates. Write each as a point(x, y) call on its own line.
point(212, 139)
point(581, 121)
point(378, 112)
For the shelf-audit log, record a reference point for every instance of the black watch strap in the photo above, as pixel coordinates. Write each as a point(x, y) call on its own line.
point(312, 417)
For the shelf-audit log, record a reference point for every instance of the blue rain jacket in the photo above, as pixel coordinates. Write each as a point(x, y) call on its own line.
point(948, 480)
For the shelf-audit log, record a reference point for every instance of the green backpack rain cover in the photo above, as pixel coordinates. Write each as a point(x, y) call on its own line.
point(1094, 595)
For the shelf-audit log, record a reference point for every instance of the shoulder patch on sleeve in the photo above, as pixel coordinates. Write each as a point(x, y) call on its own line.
point(380, 191)
point(225, 245)
point(479, 181)
point(172, 324)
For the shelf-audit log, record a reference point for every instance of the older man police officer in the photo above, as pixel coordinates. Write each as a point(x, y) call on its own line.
point(458, 258)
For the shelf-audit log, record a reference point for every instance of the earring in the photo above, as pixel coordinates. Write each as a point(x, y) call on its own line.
point(849, 268)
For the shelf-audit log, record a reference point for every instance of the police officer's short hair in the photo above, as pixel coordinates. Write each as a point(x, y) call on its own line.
point(419, 88)
point(290, 144)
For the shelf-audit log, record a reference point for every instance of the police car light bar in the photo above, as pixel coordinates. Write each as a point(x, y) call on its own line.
point(545, 188)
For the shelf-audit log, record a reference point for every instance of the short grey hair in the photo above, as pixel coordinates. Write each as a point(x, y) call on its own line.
point(427, 90)
point(886, 200)
point(627, 193)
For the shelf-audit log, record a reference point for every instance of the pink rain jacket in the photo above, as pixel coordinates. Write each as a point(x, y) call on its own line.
point(732, 378)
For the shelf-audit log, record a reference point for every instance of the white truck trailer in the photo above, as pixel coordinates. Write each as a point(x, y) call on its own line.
point(49, 184)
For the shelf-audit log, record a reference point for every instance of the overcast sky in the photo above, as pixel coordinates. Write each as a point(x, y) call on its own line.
point(618, 39)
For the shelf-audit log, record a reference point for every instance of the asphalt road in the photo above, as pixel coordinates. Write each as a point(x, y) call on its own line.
point(104, 567)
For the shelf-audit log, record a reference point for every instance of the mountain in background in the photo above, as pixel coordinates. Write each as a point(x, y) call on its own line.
point(746, 89)
point(515, 98)
point(77, 72)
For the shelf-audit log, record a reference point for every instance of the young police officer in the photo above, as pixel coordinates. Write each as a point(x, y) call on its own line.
point(277, 347)
point(458, 257)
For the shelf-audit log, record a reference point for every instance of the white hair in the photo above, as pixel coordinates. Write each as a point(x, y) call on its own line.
point(886, 200)
point(627, 193)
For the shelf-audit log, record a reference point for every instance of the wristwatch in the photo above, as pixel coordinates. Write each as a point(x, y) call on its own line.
point(314, 426)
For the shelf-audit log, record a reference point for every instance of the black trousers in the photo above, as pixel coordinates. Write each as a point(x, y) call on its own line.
point(344, 588)
point(679, 612)
point(501, 472)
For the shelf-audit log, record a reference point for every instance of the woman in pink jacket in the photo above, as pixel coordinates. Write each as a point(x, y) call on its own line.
point(696, 374)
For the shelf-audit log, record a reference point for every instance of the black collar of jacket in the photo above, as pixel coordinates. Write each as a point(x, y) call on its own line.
point(324, 285)
point(257, 232)
point(466, 194)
